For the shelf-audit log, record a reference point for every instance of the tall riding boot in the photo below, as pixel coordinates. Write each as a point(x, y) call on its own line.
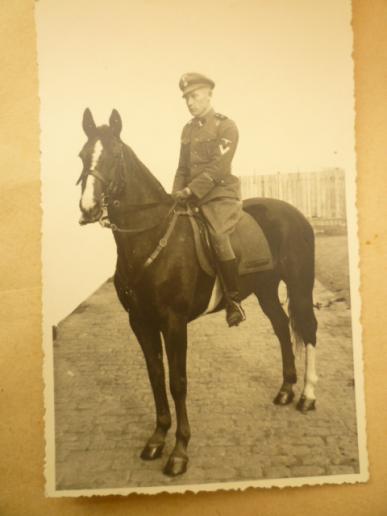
point(234, 311)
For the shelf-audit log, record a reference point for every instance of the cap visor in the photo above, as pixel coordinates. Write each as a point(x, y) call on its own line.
point(193, 87)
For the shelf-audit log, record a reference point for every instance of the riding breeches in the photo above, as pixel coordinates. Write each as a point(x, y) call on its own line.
point(222, 215)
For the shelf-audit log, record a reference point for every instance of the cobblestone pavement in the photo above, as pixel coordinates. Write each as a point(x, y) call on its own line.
point(104, 409)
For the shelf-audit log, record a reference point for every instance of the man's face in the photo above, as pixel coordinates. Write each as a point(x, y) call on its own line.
point(199, 101)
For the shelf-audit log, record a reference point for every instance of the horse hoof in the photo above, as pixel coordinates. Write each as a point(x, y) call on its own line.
point(175, 466)
point(305, 404)
point(152, 451)
point(283, 398)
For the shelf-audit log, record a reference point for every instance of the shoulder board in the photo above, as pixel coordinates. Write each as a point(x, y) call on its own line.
point(186, 130)
point(220, 116)
point(188, 125)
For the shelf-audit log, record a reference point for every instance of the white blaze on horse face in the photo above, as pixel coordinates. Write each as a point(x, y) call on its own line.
point(310, 372)
point(96, 154)
point(88, 200)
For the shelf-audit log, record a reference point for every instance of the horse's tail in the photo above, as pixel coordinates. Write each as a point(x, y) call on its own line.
point(291, 239)
point(300, 285)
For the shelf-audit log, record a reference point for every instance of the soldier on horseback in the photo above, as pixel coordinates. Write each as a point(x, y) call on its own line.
point(208, 144)
point(162, 296)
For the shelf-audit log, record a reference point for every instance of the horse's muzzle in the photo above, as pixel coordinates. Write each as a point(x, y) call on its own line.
point(83, 220)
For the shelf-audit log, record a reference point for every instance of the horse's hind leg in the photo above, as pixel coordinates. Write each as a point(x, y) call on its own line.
point(304, 324)
point(271, 306)
point(150, 342)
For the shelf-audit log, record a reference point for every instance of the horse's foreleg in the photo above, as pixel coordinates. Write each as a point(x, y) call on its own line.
point(150, 342)
point(175, 336)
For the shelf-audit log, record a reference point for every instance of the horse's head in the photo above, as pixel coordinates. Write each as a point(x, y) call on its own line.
point(102, 163)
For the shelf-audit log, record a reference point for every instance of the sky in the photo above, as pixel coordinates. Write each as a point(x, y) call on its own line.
point(283, 72)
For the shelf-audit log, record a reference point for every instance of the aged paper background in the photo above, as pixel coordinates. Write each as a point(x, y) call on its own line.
point(287, 78)
point(21, 426)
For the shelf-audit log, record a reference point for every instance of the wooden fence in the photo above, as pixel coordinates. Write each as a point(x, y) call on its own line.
point(320, 196)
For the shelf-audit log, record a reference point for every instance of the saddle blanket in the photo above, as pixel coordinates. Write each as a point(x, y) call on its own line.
point(248, 241)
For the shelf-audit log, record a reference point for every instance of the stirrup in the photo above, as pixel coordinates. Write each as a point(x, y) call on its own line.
point(234, 313)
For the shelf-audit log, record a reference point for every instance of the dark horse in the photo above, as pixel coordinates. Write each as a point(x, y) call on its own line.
point(160, 283)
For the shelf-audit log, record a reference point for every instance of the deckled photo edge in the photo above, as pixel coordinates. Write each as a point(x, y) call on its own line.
point(48, 377)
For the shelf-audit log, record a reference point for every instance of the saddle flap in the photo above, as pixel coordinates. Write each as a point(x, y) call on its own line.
point(202, 245)
point(247, 240)
point(250, 246)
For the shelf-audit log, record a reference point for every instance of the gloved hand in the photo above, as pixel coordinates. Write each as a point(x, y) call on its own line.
point(182, 195)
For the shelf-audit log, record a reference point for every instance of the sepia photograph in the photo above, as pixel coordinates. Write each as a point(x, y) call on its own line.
point(201, 307)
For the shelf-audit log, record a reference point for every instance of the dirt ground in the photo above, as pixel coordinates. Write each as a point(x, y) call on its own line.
point(332, 264)
point(104, 407)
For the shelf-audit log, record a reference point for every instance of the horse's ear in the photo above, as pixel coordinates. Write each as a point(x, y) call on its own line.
point(115, 122)
point(88, 123)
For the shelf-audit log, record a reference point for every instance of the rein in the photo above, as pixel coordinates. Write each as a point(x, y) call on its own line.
point(105, 221)
point(162, 243)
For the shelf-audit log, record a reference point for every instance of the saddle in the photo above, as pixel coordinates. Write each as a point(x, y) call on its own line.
point(248, 241)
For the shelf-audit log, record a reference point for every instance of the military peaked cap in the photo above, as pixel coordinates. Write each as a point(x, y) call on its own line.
point(192, 81)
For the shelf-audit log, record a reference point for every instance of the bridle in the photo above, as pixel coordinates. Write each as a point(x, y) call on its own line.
point(105, 222)
point(105, 202)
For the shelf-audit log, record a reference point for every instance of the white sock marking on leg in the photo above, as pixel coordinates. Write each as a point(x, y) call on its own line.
point(310, 372)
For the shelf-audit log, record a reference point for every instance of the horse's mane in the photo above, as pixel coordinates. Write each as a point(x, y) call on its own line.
point(141, 181)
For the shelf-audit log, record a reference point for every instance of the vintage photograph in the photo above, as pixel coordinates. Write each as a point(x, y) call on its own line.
point(200, 254)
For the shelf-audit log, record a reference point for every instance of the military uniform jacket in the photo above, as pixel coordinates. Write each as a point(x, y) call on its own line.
point(207, 148)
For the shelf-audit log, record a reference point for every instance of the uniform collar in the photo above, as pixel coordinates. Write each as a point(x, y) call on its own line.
point(204, 119)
